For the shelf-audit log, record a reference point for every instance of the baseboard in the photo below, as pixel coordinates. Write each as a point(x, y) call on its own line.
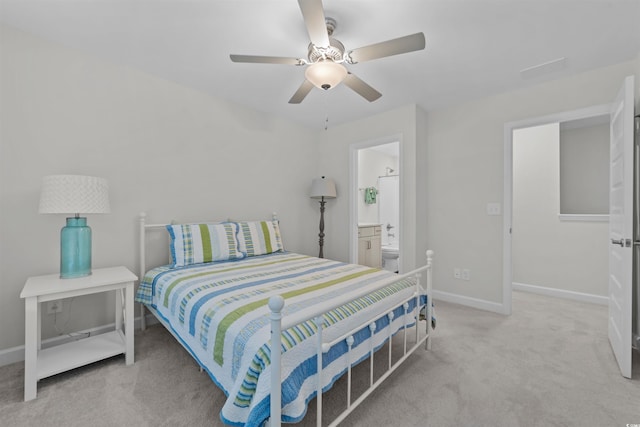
point(16, 354)
point(469, 301)
point(561, 293)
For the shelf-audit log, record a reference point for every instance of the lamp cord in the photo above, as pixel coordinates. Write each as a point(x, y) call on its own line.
point(64, 327)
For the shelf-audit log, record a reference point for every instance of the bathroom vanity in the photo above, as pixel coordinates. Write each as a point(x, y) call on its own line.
point(370, 245)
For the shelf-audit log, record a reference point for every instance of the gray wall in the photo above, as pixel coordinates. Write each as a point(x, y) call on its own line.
point(584, 170)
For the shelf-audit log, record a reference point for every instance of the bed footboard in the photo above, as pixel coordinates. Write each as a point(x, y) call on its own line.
point(278, 324)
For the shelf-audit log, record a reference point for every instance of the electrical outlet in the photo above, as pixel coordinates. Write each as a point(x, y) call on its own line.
point(466, 274)
point(456, 273)
point(493, 208)
point(54, 307)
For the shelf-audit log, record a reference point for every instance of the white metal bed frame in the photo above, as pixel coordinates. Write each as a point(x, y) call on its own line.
point(278, 324)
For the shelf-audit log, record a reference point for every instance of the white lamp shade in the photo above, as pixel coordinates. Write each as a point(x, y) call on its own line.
point(74, 194)
point(325, 74)
point(322, 187)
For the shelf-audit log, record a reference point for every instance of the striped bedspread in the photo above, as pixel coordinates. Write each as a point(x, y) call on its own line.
point(220, 312)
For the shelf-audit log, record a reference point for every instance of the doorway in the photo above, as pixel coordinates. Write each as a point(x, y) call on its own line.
point(560, 206)
point(510, 129)
point(376, 205)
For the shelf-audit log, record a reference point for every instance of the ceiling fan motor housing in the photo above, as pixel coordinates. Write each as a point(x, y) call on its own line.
point(334, 52)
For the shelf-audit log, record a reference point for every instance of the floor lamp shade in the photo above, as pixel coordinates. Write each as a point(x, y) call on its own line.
point(74, 194)
point(322, 188)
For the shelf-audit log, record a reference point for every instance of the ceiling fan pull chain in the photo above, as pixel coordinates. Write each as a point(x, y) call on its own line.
point(326, 113)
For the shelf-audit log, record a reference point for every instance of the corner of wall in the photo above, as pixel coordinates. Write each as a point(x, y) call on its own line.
point(422, 186)
point(637, 83)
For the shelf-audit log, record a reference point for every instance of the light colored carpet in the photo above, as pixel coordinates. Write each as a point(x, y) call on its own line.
point(549, 364)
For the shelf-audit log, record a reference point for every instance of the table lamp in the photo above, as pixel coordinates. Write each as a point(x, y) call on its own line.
point(322, 188)
point(74, 194)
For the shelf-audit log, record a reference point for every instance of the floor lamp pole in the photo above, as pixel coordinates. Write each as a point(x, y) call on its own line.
point(321, 235)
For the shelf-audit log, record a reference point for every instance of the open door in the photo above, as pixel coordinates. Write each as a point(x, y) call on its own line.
point(621, 227)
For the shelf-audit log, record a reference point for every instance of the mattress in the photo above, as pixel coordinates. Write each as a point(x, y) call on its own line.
point(220, 313)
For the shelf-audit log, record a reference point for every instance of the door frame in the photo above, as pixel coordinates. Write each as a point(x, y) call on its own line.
point(354, 193)
point(507, 223)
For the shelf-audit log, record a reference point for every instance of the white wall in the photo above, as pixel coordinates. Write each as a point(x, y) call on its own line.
point(333, 159)
point(566, 255)
point(423, 195)
point(371, 165)
point(165, 149)
point(66, 112)
point(465, 171)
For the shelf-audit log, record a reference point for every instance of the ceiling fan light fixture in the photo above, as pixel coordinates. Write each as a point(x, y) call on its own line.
point(326, 56)
point(325, 74)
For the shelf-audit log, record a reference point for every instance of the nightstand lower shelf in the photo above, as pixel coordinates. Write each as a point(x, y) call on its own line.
point(61, 358)
point(42, 363)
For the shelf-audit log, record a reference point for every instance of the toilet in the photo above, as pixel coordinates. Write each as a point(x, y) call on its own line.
point(390, 256)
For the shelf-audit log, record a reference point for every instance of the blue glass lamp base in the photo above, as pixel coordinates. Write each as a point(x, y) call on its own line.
point(75, 249)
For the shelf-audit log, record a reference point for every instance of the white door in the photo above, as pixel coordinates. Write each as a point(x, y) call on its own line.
point(621, 226)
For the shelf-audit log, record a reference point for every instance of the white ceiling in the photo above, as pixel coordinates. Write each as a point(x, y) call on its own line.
point(474, 48)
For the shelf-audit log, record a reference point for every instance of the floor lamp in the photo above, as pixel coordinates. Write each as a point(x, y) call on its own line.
point(322, 188)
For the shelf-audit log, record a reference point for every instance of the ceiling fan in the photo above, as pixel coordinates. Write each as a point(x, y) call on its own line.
point(326, 56)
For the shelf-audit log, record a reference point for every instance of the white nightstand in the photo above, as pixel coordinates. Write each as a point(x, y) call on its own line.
point(39, 363)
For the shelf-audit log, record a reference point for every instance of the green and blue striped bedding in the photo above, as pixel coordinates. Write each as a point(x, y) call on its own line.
point(259, 237)
point(200, 243)
point(220, 312)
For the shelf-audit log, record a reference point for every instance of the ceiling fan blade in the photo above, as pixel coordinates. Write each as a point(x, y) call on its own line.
point(302, 91)
point(257, 59)
point(313, 15)
point(389, 48)
point(361, 88)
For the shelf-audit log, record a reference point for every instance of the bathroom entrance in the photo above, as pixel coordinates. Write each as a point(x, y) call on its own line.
point(378, 206)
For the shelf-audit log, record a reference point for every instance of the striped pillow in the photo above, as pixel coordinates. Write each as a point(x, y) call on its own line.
point(200, 243)
point(259, 237)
